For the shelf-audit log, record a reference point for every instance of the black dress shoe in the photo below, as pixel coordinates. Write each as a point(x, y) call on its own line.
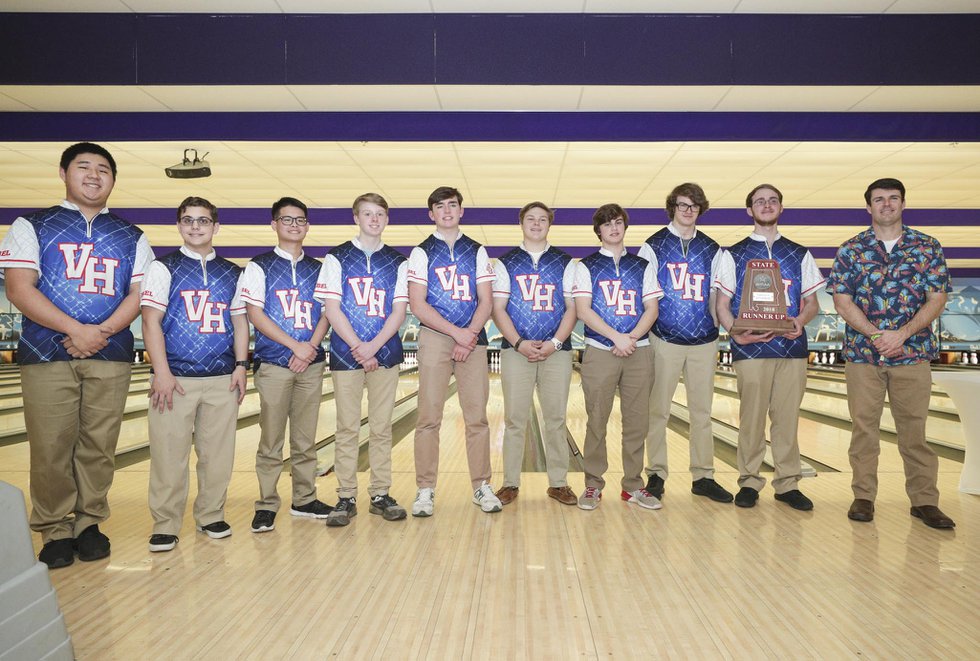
point(746, 497)
point(932, 516)
point(796, 500)
point(92, 544)
point(861, 510)
point(708, 487)
point(655, 486)
point(57, 553)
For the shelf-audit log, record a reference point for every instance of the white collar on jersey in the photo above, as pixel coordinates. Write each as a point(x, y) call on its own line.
point(547, 246)
point(443, 239)
point(673, 230)
point(608, 253)
point(759, 237)
point(285, 255)
point(71, 205)
point(357, 244)
point(193, 255)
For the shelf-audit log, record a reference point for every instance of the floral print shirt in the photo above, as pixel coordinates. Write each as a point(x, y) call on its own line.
point(890, 288)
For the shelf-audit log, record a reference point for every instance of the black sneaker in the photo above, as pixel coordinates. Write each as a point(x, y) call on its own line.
point(58, 553)
point(796, 500)
point(264, 521)
point(313, 510)
point(159, 543)
point(655, 486)
point(746, 497)
point(345, 510)
point(92, 544)
point(708, 487)
point(386, 506)
point(216, 530)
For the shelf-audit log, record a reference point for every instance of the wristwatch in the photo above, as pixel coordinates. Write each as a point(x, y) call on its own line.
point(558, 343)
point(517, 345)
point(243, 363)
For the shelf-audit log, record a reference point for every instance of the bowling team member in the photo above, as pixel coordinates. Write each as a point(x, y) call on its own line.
point(277, 289)
point(73, 271)
point(685, 339)
point(197, 337)
point(450, 290)
point(535, 313)
point(616, 296)
point(888, 348)
point(770, 368)
point(364, 288)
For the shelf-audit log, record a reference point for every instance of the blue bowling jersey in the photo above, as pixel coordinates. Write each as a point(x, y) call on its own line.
point(197, 318)
point(288, 301)
point(536, 301)
point(367, 298)
point(86, 272)
point(685, 276)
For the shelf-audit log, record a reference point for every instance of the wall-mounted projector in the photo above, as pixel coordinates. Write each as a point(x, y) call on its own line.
point(190, 168)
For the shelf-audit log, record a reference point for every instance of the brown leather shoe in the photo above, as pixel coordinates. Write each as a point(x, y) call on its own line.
point(861, 510)
point(507, 495)
point(563, 495)
point(932, 516)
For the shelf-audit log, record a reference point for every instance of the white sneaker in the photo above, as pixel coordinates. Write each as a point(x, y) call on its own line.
point(643, 498)
point(487, 499)
point(423, 502)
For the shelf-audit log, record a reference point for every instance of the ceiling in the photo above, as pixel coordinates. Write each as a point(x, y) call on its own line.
point(498, 6)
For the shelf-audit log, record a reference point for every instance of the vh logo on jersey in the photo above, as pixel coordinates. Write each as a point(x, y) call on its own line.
point(301, 312)
point(81, 265)
point(541, 296)
point(366, 296)
point(691, 285)
point(201, 309)
point(458, 284)
point(622, 300)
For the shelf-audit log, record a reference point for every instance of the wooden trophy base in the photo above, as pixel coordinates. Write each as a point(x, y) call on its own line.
point(761, 326)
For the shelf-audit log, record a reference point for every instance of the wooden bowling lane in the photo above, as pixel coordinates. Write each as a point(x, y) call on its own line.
point(538, 580)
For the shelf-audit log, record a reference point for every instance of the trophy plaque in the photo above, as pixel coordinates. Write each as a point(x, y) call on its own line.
point(763, 305)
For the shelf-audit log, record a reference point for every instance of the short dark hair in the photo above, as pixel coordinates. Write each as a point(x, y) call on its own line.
point(606, 213)
point(287, 202)
point(748, 198)
point(372, 198)
point(194, 201)
point(884, 184)
point(536, 205)
point(72, 152)
point(444, 193)
point(691, 191)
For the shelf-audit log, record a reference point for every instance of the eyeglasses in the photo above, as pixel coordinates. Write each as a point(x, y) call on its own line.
point(681, 206)
point(202, 221)
point(293, 220)
point(761, 202)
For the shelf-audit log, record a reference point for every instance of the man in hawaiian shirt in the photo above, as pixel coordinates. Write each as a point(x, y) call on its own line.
point(889, 284)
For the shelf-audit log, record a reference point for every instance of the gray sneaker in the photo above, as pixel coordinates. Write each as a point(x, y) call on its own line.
point(386, 506)
point(643, 498)
point(589, 500)
point(343, 512)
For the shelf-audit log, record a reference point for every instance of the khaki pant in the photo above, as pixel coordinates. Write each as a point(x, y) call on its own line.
point(772, 386)
point(909, 388)
point(697, 364)
point(518, 379)
point(602, 374)
point(436, 366)
point(348, 389)
point(73, 411)
point(207, 416)
point(285, 395)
